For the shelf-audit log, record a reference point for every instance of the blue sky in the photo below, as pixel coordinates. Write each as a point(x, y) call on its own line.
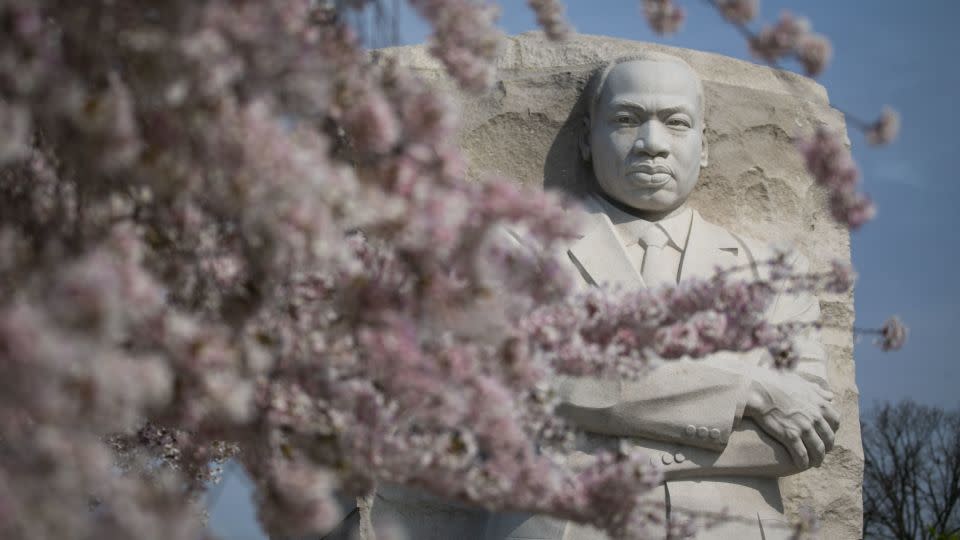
point(885, 52)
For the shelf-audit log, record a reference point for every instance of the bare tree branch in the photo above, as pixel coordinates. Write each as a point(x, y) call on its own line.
point(911, 484)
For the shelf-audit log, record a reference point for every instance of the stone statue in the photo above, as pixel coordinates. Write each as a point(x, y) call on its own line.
point(726, 427)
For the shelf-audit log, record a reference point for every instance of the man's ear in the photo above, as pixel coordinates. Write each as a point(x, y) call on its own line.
point(584, 139)
point(704, 150)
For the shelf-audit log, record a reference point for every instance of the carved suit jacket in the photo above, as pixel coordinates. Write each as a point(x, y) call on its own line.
point(688, 412)
point(685, 413)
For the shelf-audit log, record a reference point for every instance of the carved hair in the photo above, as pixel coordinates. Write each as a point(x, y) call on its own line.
point(599, 79)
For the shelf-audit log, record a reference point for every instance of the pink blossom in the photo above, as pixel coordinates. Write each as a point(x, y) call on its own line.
point(885, 129)
point(852, 209)
point(372, 124)
point(893, 335)
point(807, 527)
point(777, 41)
point(614, 482)
point(831, 165)
point(298, 500)
point(792, 35)
point(813, 52)
point(784, 355)
point(828, 160)
point(550, 18)
point(739, 11)
point(427, 117)
point(109, 118)
point(663, 16)
point(465, 39)
point(840, 278)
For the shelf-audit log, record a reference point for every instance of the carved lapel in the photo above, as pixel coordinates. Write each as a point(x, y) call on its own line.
point(601, 255)
point(708, 247)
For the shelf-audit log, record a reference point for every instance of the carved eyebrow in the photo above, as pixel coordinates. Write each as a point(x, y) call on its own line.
point(627, 104)
point(666, 111)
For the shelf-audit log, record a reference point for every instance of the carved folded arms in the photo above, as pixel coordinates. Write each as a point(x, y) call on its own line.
point(678, 402)
point(724, 414)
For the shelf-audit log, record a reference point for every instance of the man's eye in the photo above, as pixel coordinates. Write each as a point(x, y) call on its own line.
point(623, 120)
point(678, 122)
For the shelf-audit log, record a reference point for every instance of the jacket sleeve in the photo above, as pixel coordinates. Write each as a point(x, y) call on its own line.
point(679, 401)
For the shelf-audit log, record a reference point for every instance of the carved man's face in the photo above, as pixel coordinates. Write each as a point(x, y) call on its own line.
point(646, 135)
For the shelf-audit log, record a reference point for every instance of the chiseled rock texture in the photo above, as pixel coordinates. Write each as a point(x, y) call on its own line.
point(527, 126)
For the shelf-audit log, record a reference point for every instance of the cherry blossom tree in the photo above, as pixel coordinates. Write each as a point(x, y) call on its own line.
point(225, 230)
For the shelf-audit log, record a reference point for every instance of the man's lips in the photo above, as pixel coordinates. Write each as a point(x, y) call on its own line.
point(650, 175)
point(650, 169)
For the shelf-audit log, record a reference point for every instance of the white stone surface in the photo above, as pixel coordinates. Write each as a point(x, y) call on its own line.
point(527, 128)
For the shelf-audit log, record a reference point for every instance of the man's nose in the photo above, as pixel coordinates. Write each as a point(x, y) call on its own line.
point(652, 139)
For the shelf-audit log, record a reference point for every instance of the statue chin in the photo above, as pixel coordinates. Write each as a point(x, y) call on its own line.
point(651, 202)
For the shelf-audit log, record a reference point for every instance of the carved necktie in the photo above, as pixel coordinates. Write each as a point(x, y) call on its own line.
point(658, 267)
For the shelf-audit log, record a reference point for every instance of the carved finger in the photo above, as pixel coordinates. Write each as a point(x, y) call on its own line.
point(831, 415)
point(815, 447)
point(798, 451)
point(825, 432)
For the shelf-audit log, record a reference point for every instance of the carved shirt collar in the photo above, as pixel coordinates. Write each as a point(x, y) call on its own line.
point(629, 227)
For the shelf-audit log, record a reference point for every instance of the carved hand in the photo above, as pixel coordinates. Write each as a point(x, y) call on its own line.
point(796, 412)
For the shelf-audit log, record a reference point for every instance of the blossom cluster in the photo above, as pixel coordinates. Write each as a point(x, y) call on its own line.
point(792, 35)
point(893, 334)
point(550, 18)
point(664, 16)
point(227, 230)
point(738, 11)
point(829, 162)
point(884, 129)
point(465, 38)
point(609, 332)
